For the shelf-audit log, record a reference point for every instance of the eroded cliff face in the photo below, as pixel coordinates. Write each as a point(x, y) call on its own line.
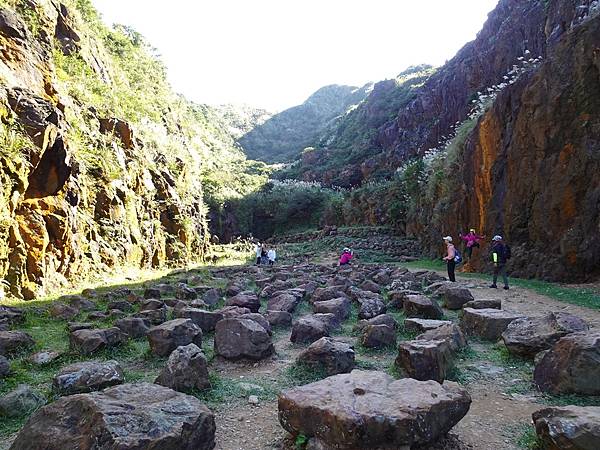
point(65, 212)
point(530, 170)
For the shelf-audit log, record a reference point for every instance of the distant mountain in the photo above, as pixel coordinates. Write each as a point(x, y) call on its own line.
point(282, 137)
point(241, 119)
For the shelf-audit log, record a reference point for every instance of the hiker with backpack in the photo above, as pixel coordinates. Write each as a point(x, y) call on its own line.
point(472, 240)
point(500, 256)
point(452, 258)
point(346, 257)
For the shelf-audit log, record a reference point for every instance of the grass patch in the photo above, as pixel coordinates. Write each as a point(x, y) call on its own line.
point(524, 436)
point(229, 391)
point(299, 374)
point(570, 399)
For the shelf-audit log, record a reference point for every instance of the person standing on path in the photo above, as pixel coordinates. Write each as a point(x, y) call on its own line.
point(500, 256)
point(449, 258)
point(272, 255)
point(258, 250)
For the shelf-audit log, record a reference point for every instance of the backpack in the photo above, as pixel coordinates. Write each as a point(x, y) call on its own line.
point(457, 256)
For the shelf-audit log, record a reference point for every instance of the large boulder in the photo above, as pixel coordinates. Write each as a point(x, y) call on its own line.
point(425, 359)
point(206, 320)
point(279, 318)
point(422, 307)
point(372, 410)
point(245, 300)
point(455, 298)
point(308, 329)
point(370, 286)
point(20, 402)
point(529, 336)
point(340, 307)
point(421, 325)
point(569, 427)
point(328, 293)
point(168, 336)
point(283, 302)
point(186, 369)
point(87, 376)
point(59, 310)
point(330, 355)
point(259, 319)
point(487, 324)
point(12, 342)
point(378, 336)
point(239, 338)
point(154, 316)
point(450, 333)
point(134, 327)
point(484, 303)
point(126, 417)
point(571, 366)
point(11, 315)
point(89, 341)
point(382, 319)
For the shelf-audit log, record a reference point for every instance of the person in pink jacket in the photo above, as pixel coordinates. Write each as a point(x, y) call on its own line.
point(347, 255)
point(472, 240)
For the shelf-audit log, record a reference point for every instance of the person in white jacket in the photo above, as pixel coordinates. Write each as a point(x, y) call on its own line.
point(258, 250)
point(272, 255)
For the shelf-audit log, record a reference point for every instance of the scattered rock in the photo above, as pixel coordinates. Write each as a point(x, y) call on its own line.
point(44, 358)
point(486, 323)
point(90, 341)
point(168, 336)
point(206, 320)
point(571, 365)
point(378, 336)
point(12, 342)
point(382, 319)
point(484, 304)
point(425, 360)
point(308, 329)
point(211, 297)
point(186, 369)
point(371, 307)
point(359, 407)
point(238, 338)
point(4, 367)
point(422, 325)
point(121, 305)
point(184, 292)
point(340, 307)
point(456, 297)
point(328, 293)
point(419, 306)
point(129, 416)
point(283, 302)
point(259, 319)
point(152, 292)
point(87, 376)
point(134, 327)
point(75, 326)
point(154, 316)
point(450, 333)
point(233, 311)
point(529, 336)
point(12, 315)
point(279, 318)
point(569, 427)
point(370, 286)
point(20, 402)
point(331, 355)
point(61, 311)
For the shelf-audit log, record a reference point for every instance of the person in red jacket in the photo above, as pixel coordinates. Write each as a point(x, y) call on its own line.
point(347, 255)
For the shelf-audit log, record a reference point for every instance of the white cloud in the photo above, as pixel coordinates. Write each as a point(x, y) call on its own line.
point(275, 53)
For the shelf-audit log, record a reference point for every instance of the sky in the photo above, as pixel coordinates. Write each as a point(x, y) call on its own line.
point(274, 53)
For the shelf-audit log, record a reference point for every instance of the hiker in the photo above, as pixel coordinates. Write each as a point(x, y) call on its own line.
point(347, 255)
point(472, 239)
point(450, 258)
point(272, 255)
point(263, 255)
point(258, 249)
point(500, 256)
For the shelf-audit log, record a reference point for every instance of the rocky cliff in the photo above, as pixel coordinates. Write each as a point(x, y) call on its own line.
point(101, 164)
point(283, 136)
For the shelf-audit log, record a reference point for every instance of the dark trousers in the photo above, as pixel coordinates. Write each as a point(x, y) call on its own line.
point(451, 267)
point(500, 269)
point(258, 260)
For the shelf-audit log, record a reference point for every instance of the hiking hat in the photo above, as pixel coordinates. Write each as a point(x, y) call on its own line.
point(448, 238)
point(497, 238)
point(346, 249)
point(472, 230)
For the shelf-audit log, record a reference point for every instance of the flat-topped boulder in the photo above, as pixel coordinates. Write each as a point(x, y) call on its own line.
point(90, 341)
point(382, 319)
point(168, 336)
point(421, 307)
point(245, 300)
point(125, 417)
point(568, 427)
point(186, 369)
point(340, 307)
point(484, 303)
point(59, 310)
point(450, 333)
point(378, 336)
point(279, 318)
point(239, 338)
point(571, 366)
point(87, 376)
point(259, 319)
point(486, 324)
point(206, 320)
point(154, 316)
point(327, 293)
point(308, 329)
point(12, 342)
point(332, 356)
point(456, 297)
point(371, 286)
point(530, 335)
point(372, 410)
point(370, 307)
point(229, 312)
point(415, 325)
point(425, 359)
